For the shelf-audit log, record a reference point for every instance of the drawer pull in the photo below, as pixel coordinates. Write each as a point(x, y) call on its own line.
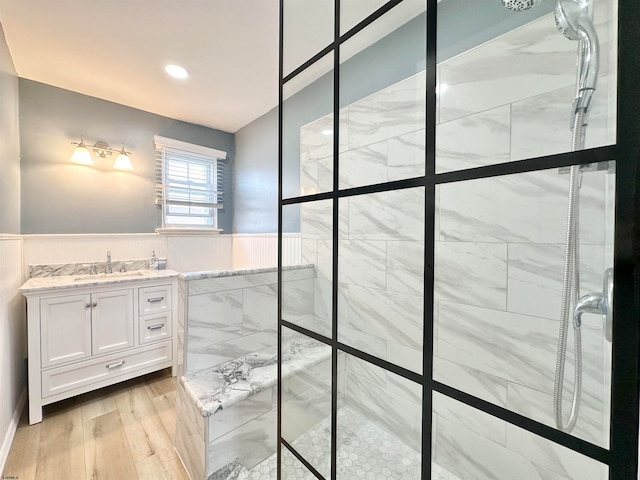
point(155, 300)
point(155, 327)
point(115, 365)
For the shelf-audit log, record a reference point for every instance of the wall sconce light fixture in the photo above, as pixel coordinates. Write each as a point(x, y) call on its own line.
point(82, 155)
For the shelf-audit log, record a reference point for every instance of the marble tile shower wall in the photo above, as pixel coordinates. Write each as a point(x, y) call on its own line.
point(499, 242)
point(228, 317)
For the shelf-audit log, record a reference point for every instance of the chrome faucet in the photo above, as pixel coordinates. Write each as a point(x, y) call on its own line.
point(109, 269)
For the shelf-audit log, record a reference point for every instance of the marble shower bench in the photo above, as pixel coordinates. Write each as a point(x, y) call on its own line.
point(227, 393)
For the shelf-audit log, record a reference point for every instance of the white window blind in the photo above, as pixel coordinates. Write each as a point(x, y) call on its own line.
point(189, 183)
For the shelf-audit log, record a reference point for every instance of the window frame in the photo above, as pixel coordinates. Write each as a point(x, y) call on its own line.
point(200, 156)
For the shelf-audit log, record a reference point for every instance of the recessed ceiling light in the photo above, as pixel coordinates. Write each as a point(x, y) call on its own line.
point(176, 71)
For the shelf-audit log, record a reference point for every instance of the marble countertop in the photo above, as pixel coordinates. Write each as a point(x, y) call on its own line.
point(41, 284)
point(232, 273)
point(220, 387)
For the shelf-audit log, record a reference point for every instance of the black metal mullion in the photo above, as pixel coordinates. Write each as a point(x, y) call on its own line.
point(626, 314)
point(582, 157)
point(378, 362)
point(368, 21)
point(429, 236)
point(565, 159)
point(325, 51)
point(335, 237)
point(307, 333)
point(302, 460)
point(548, 433)
point(279, 295)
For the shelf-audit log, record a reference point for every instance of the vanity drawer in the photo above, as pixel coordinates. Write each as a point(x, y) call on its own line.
point(70, 377)
point(155, 327)
point(154, 299)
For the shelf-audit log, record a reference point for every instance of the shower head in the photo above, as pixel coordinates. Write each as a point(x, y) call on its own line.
point(571, 19)
point(574, 22)
point(520, 5)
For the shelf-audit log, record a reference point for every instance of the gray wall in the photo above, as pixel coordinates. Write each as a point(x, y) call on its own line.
point(9, 143)
point(13, 335)
point(255, 183)
point(61, 197)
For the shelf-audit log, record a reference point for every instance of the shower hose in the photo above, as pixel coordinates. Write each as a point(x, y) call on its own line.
point(570, 291)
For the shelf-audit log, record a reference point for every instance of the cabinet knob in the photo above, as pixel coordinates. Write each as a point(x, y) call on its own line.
point(87, 305)
point(94, 304)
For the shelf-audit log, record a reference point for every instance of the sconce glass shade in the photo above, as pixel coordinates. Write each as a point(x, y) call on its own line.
point(81, 155)
point(122, 161)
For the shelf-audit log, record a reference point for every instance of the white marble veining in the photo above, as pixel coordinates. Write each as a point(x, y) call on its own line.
point(223, 386)
point(41, 284)
point(395, 317)
point(470, 418)
point(366, 165)
point(362, 263)
point(365, 341)
point(502, 71)
point(467, 379)
point(297, 301)
point(535, 272)
point(316, 140)
point(591, 424)
point(403, 273)
point(390, 112)
point(472, 273)
point(554, 457)
point(517, 348)
point(396, 409)
point(474, 141)
point(316, 219)
point(190, 434)
point(405, 158)
point(521, 208)
point(469, 455)
point(259, 308)
point(251, 443)
point(191, 276)
point(392, 215)
point(403, 356)
point(67, 269)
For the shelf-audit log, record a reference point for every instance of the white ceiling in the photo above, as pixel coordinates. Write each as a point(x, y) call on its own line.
point(117, 49)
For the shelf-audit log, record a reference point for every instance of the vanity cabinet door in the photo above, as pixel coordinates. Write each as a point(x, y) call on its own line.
point(65, 329)
point(112, 320)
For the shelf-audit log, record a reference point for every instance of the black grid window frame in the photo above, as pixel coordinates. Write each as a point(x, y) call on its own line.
point(622, 456)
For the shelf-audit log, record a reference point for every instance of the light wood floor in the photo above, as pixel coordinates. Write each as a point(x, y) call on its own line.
point(122, 432)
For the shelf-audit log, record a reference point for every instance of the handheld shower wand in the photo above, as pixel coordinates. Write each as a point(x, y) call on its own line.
point(575, 23)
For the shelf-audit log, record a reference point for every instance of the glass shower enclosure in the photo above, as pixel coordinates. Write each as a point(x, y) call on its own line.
point(452, 173)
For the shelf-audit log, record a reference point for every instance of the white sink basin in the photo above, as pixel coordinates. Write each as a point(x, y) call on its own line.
point(105, 276)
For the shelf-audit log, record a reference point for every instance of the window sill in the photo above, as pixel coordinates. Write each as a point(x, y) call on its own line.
point(188, 231)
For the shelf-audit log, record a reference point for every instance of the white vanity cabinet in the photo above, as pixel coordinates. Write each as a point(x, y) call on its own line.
point(82, 338)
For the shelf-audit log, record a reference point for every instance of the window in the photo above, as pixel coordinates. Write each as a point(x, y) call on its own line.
point(189, 180)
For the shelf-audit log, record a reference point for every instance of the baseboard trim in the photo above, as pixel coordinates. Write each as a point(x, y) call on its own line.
point(11, 431)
